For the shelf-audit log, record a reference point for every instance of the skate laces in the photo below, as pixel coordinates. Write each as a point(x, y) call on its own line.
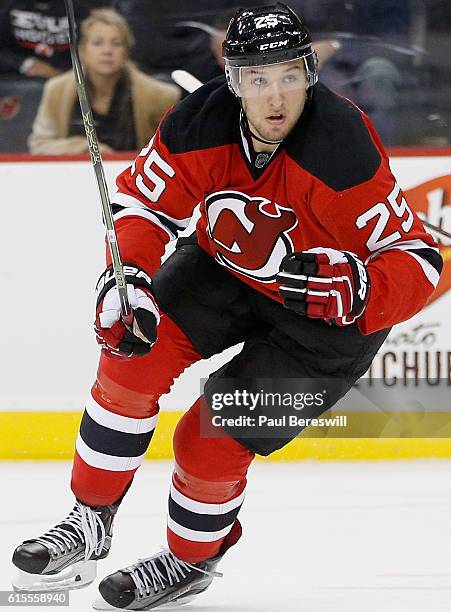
point(84, 524)
point(146, 574)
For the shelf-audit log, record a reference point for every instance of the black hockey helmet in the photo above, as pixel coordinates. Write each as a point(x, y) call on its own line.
point(267, 35)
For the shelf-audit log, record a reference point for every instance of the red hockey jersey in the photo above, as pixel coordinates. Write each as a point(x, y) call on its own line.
point(328, 184)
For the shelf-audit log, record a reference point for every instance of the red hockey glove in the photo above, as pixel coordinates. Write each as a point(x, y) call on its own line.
point(323, 283)
point(112, 334)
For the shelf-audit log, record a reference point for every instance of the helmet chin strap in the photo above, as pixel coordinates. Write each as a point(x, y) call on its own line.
point(247, 130)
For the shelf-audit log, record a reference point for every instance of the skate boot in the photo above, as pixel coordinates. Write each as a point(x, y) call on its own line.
point(65, 557)
point(161, 580)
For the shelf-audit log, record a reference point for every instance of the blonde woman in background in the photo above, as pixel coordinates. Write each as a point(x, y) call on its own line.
point(127, 104)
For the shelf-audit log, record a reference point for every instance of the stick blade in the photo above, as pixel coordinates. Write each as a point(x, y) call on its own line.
point(186, 80)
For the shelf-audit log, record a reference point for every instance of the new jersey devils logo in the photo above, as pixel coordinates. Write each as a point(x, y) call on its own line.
point(250, 234)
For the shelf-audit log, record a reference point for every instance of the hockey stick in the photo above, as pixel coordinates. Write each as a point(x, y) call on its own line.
point(186, 80)
point(93, 145)
point(437, 230)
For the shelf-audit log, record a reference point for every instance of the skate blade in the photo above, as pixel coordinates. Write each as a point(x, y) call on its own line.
point(101, 604)
point(173, 605)
point(77, 576)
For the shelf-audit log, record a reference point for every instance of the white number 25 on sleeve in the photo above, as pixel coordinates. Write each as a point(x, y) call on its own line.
point(383, 212)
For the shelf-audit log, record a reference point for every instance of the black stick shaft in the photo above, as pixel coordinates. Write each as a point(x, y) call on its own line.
point(96, 158)
point(436, 229)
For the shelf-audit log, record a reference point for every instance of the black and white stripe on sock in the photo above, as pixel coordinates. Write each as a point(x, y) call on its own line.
point(113, 442)
point(199, 521)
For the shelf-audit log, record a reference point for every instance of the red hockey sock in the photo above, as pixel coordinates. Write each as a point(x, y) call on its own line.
point(207, 489)
point(121, 415)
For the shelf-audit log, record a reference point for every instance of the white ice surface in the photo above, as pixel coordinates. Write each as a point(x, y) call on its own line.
point(318, 537)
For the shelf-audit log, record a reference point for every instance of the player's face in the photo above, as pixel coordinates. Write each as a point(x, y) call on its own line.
point(274, 98)
point(104, 51)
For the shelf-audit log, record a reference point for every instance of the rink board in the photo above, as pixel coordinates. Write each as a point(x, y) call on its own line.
point(51, 355)
point(51, 435)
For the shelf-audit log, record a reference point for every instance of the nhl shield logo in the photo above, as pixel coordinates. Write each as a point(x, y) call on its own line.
point(250, 235)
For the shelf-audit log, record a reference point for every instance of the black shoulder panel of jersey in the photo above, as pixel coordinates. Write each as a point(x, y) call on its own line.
point(207, 118)
point(332, 142)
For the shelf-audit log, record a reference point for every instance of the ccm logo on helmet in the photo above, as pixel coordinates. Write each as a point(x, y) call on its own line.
point(274, 45)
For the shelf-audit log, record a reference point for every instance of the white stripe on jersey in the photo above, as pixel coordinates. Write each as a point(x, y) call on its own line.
point(128, 201)
point(430, 272)
point(146, 214)
point(408, 246)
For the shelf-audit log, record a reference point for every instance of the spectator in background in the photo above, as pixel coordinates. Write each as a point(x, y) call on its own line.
point(34, 35)
point(356, 42)
point(369, 66)
point(362, 63)
point(127, 105)
point(163, 45)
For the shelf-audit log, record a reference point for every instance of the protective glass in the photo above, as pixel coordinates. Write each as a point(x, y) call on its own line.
point(271, 79)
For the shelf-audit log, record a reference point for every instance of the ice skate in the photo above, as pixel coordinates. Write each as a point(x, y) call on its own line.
point(65, 557)
point(162, 580)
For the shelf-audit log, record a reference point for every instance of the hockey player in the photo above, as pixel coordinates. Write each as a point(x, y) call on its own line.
point(306, 250)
